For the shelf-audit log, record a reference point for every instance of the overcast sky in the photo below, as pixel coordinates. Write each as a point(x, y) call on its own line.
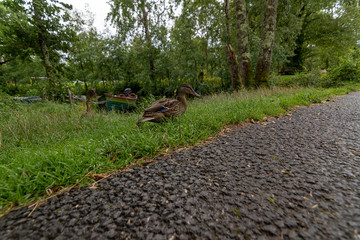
point(100, 8)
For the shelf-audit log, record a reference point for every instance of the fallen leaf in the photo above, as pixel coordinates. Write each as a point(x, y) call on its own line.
point(356, 153)
point(93, 186)
point(197, 164)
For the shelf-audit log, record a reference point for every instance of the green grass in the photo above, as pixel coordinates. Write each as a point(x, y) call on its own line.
point(47, 145)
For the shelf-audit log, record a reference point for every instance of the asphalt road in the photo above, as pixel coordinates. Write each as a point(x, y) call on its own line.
point(294, 177)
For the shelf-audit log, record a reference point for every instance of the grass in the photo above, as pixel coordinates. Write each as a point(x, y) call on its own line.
point(47, 146)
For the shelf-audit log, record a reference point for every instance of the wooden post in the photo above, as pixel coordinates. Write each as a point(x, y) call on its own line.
point(90, 96)
point(70, 98)
point(88, 108)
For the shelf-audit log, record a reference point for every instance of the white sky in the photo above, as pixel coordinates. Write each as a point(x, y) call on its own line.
point(100, 8)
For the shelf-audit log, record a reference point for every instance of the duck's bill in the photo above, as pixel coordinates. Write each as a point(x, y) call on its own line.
point(195, 94)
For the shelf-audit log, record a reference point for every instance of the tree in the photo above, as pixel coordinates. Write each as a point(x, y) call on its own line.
point(22, 72)
point(245, 62)
point(42, 28)
point(15, 33)
point(231, 56)
point(141, 19)
point(267, 42)
point(332, 36)
point(306, 13)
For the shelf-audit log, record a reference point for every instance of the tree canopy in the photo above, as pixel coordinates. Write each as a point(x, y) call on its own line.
point(214, 45)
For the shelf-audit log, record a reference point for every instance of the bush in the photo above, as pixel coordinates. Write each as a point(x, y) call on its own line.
point(298, 80)
point(7, 103)
point(347, 71)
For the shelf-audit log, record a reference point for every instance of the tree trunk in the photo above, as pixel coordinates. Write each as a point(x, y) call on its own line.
point(242, 25)
point(267, 44)
point(234, 68)
point(231, 56)
point(5, 61)
point(296, 62)
point(327, 63)
point(83, 75)
point(70, 98)
point(145, 23)
point(43, 43)
point(103, 81)
point(206, 57)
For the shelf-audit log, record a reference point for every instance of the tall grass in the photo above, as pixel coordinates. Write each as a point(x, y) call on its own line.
point(47, 145)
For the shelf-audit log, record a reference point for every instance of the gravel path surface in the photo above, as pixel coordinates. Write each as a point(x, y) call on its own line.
point(295, 177)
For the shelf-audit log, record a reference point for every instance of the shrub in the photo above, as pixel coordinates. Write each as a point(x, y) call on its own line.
point(347, 71)
point(7, 103)
point(299, 80)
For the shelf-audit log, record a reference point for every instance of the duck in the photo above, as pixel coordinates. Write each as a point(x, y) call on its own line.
point(168, 108)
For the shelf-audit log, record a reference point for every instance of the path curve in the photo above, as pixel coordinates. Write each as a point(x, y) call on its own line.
point(295, 177)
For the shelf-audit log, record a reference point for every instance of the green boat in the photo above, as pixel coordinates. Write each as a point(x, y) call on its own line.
point(120, 102)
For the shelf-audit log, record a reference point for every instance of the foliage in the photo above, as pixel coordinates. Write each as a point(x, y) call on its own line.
point(347, 71)
point(185, 43)
point(327, 32)
point(302, 79)
point(37, 28)
point(7, 104)
point(19, 76)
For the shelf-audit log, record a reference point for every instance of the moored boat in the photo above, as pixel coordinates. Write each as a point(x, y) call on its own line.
point(120, 102)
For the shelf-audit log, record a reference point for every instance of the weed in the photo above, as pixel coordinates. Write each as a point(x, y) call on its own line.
point(238, 213)
point(271, 200)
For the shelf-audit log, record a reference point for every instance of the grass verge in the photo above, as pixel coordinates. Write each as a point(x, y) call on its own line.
point(45, 147)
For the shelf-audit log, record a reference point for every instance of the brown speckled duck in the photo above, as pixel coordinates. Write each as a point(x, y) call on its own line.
point(167, 107)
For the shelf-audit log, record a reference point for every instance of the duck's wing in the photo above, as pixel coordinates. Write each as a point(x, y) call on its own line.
point(162, 105)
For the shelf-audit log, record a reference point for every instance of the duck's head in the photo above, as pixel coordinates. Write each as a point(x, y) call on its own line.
point(188, 89)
